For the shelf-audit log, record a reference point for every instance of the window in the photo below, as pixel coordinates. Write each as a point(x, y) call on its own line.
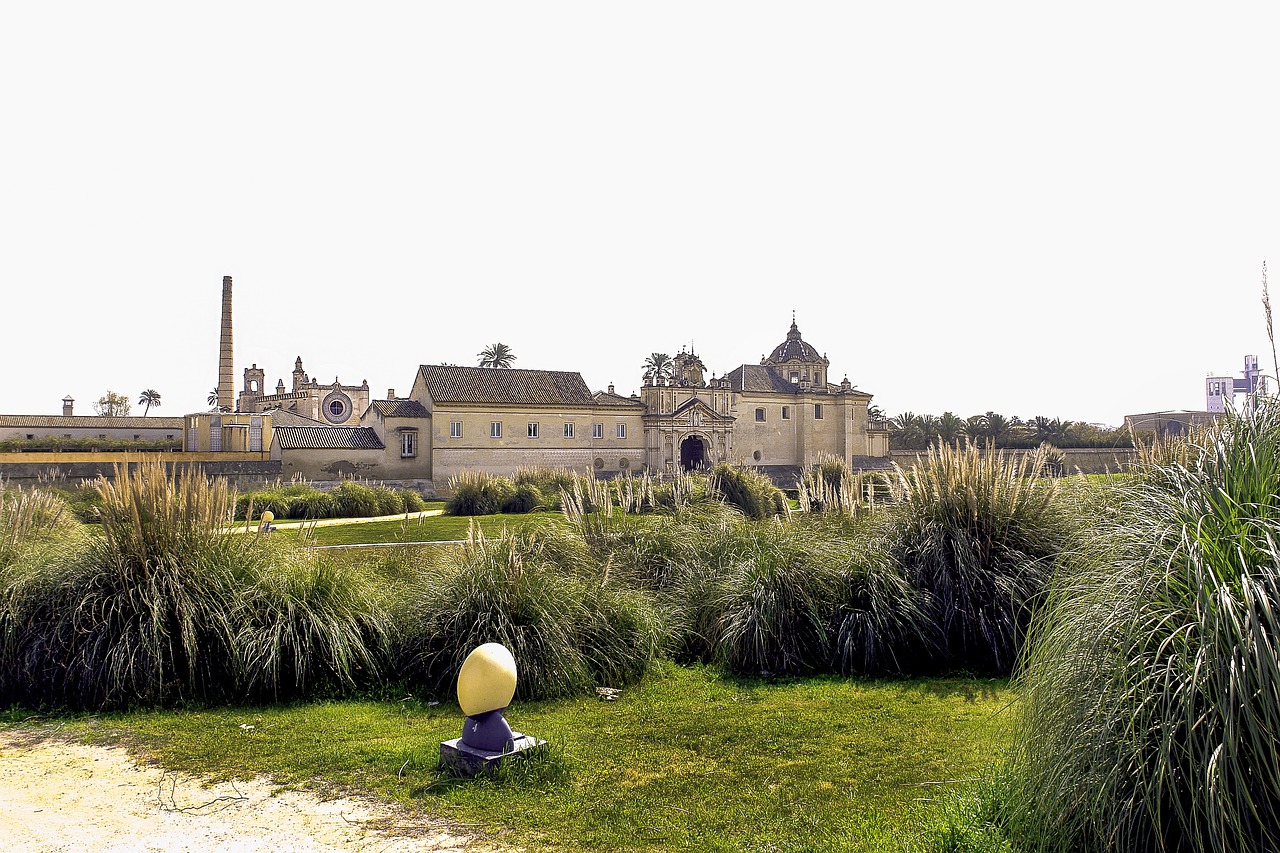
point(30, 436)
point(760, 415)
point(533, 430)
point(786, 413)
point(597, 431)
point(192, 437)
point(568, 430)
point(795, 377)
point(455, 429)
point(817, 411)
point(622, 431)
point(215, 433)
point(408, 443)
point(495, 429)
point(255, 433)
point(136, 437)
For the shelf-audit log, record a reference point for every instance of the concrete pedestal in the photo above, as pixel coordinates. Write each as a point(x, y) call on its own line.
point(467, 761)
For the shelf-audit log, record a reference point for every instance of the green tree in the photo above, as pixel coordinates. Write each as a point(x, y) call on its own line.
point(950, 428)
point(496, 355)
point(213, 397)
point(657, 367)
point(149, 398)
point(997, 427)
point(113, 405)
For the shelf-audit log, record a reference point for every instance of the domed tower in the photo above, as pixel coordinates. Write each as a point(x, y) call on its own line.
point(799, 362)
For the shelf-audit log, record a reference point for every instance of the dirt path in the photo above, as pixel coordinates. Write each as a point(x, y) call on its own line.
point(64, 796)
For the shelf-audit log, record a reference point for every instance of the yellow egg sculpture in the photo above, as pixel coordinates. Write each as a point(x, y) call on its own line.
point(487, 680)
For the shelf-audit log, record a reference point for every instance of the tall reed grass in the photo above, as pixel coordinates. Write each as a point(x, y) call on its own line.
point(567, 627)
point(1152, 679)
point(977, 532)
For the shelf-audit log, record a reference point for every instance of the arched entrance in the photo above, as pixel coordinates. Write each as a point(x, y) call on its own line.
point(693, 453)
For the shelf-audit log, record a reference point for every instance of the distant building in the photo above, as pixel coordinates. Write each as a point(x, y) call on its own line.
point(73, 426)
point(1169, 423)
point(777, 415)
point(1220, 391)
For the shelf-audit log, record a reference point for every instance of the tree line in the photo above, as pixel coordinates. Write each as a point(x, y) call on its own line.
point(911, 431)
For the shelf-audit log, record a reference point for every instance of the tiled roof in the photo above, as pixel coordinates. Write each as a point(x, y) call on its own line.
point(327, 438)
point(289, 417)
point(447, 383)
point(399, 408)
point(759, 377)
point(603, 398)
point(89, 422)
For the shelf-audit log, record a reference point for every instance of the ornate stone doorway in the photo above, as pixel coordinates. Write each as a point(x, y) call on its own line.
point(693, 453)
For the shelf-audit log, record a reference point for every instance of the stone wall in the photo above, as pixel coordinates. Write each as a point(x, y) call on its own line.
point(242, 469)
point(1085, 460)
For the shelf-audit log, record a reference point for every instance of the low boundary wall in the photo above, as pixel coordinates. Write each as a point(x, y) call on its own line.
point(241, 469)
point(1085, 460)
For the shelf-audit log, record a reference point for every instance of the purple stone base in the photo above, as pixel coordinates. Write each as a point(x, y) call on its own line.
point(467, 761)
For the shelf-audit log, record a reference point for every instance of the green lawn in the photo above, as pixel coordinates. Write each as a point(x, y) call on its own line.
point(691, 758)
point(434, 528)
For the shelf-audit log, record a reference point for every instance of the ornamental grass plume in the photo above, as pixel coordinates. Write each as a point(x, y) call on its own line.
point(1151, 682)
point(977, 533)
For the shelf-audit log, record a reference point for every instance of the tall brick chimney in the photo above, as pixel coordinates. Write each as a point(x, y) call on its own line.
point(226, 368)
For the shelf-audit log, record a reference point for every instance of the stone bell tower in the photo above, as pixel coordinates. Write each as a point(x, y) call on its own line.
point(226, 369)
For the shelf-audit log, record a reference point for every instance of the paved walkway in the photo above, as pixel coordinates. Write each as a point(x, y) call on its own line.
point(330, 522)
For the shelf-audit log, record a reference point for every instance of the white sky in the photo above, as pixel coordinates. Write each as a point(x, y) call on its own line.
point(969, 206)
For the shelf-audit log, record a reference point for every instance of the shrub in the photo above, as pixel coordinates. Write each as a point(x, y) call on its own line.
point(749, 491)
point(387, 501)
point(310, 626)
point(477, 493)
point(775, 606)
point(523, 498)
point(977, 532)
point(355, 500)
point(314, 504)
point(1150, 705)
point(881, 623)
point(145, 613)
point(411, 501)
point(565, 631)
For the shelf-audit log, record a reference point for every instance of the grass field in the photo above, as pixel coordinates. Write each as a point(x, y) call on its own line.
point(690, 758)
point(435, 528)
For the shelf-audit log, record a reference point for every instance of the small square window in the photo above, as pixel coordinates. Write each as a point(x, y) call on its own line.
point(568, 430)
point(760, 415)
point(622, 431)
point(786, 413)
point(533, 430)
point(30, 436)
point(817, 411)
point(597, 430)
point(455, 429)
point(495, 429)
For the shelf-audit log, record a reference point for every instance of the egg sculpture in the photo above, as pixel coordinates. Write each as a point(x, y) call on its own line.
point(486, 685)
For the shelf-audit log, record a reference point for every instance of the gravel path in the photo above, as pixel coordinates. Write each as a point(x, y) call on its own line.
point(65, 796)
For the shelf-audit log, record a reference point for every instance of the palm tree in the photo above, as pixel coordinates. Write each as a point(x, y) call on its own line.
point(496, 355)
point(950, 428)
point(213, 397)
point(997, 427)
point(657, 367)
point(149, 398)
